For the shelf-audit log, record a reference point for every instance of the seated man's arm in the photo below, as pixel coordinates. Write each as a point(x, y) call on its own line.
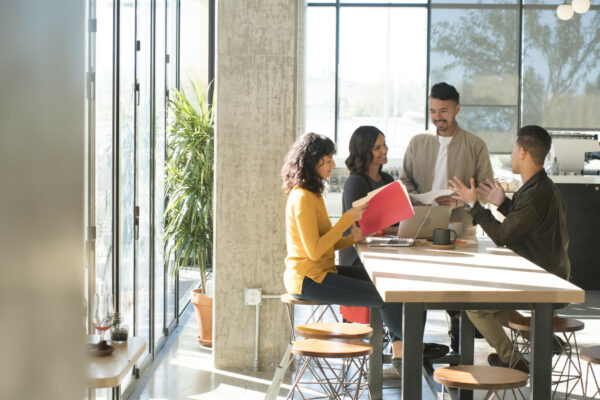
point(518, 222)
point(520, 219)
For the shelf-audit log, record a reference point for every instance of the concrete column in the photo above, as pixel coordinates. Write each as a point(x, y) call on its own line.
point(256, 101)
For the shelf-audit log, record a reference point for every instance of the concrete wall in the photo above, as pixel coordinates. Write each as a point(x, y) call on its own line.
point(42, 309)
point(255, 127)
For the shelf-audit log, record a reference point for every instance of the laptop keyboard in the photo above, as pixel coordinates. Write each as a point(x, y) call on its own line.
point(403, 241)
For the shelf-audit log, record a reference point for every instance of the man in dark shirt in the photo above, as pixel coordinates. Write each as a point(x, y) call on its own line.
point(534, 227)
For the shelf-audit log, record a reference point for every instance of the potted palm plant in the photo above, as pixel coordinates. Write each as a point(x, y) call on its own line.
point(189, 190)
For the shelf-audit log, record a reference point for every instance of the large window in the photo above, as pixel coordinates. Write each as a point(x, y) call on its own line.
point(382, 73)
point(133, 63)
point(561, 69)
point(372, 62)
point(476, 49)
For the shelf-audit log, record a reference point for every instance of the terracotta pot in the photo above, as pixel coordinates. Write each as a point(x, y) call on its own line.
point(204, 307)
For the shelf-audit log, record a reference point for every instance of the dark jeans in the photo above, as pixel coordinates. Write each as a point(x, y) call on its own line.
point(351, 286)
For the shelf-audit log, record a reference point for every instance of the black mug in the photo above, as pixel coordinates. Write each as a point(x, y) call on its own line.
point(444, 236)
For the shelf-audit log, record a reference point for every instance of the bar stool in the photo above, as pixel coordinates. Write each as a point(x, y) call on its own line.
point(318, 312)
point(334, 330)
point(570, 369)
point(319, 352)
point(480, 377)
point(591, 354)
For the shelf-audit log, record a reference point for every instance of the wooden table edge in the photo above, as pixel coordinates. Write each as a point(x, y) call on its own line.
point(115, 380)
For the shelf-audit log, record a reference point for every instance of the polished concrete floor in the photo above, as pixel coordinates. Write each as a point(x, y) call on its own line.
point(186, 370)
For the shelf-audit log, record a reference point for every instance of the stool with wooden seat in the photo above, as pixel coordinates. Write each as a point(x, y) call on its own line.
point(318, 353)
point(479, 377)
point(318, 312)
point(569, 371)
point(591, 354)
point(336, 331)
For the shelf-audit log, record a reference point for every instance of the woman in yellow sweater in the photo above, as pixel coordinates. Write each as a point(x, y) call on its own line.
point(311, 273)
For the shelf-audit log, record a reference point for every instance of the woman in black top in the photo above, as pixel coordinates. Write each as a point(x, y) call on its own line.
point(368, 154)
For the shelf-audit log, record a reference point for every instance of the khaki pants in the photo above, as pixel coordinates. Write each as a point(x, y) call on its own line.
point(490, 323)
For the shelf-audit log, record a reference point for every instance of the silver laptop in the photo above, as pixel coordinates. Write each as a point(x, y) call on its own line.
point(398, 241)
point(425, 220)
point(421, 225)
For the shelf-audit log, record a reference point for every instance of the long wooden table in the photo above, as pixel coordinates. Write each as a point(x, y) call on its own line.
point(479, 275)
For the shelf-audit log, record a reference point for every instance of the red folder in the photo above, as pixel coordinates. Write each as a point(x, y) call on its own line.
point(388, 205)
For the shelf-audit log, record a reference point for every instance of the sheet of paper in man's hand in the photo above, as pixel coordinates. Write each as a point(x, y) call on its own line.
point(429, 197)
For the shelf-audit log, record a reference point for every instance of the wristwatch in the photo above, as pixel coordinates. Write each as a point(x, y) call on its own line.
point(469, 206)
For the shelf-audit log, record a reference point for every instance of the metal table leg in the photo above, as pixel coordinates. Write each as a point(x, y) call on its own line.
point(467, 349)
point(412, 351)
point(375, 360)
point(541, 366)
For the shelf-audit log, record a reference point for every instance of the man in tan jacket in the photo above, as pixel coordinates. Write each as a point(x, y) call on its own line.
point(433, 158)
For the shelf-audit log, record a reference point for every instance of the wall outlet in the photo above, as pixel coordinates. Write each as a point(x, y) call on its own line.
point(252, 297)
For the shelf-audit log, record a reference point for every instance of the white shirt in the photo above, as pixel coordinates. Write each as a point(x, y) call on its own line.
point(440, 177)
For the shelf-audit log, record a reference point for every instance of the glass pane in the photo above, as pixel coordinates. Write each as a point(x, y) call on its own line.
point(496, 125)
point(194, 67)
point(104, 147)
point(127, 167)
point(142, 255)
point(554, 2)
point(382, 74)
point(171, 74)
point(127, 164)
point(479, 3)
point(561, 70)
point(320, 71)
point(159, 160)
point(482, 65)
point(382, 1)
point(194, 43)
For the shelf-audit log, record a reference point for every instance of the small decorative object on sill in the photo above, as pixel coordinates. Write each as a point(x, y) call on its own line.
point(101, 349)
point(118, 331)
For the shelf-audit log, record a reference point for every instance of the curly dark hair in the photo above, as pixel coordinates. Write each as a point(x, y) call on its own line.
point(361, 149)
point(300, 162)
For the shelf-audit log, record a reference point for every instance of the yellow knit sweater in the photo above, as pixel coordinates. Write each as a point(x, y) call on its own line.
point(311, 240)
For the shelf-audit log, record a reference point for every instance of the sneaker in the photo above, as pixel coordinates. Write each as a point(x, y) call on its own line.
point(495, 361)
point(434, 350)
point(557, 345)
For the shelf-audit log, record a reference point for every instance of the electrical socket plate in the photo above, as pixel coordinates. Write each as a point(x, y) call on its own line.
point(252, 297)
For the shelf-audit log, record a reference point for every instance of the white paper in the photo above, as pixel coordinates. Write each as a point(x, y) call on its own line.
point(429, 197)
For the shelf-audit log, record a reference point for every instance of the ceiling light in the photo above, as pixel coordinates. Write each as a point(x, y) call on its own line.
point(564, 11)
point(581, 6)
